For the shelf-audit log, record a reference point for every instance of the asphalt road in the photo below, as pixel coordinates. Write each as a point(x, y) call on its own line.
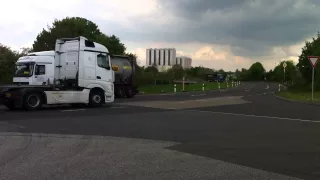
point(239, 133)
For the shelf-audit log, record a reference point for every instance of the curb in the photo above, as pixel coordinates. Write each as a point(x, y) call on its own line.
point(162, 94)
point(296, 101)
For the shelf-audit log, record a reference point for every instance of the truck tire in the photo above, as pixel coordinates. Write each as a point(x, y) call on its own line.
point(122, 93)
point(32, 101)
point(129, 93)
point(96, 98)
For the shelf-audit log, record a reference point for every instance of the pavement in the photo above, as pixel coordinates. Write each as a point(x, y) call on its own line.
point(239, 133)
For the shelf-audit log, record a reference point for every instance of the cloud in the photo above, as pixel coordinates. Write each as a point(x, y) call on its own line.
point(221, 34)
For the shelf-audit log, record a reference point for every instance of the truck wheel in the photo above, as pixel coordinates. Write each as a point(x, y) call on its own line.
point(122, 93)
point(32, 101)
point(96, 98)
point(129, 93)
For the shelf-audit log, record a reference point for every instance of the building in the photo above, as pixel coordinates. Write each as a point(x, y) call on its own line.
point(165, 58)
point(184, 61)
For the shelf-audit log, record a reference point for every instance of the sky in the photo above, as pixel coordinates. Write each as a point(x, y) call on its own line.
point(219, 34)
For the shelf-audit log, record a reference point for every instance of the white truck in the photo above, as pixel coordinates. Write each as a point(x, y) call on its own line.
point(77, 72)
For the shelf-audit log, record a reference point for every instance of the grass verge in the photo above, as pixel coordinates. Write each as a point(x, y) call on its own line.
point(169, 88)
point(303, 96)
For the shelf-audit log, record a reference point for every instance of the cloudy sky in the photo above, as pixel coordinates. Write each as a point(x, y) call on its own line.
point(226, 34)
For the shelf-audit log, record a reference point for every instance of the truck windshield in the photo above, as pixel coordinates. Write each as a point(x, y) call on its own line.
point(24, 70)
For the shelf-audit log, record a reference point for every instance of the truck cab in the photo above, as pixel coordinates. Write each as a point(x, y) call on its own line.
point(35, 69)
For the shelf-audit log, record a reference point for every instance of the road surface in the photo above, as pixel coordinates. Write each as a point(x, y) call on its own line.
point(239, 133)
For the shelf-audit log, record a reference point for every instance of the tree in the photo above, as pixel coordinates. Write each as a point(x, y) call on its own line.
point(26, 50)
point(310, 49)
point(256, 72)
point(8, 59)
point(270, 75)
point(243, 74)
point(75, 27)
point(176, 72)
point(152, 72)
point(237, 73)
point(198, 72)
point(278, 72)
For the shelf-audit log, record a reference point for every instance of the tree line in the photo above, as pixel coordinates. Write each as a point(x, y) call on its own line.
point(299, 75)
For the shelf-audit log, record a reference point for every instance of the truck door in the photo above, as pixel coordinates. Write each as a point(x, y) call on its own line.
point(103, 69)
point(39, 77)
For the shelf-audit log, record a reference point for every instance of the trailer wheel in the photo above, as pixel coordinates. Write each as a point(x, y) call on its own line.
point(96, 98)
point(32, 101)
point(121, 93)
point(129, 93)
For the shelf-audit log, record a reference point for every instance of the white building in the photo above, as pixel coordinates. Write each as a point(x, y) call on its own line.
point(184, 61)
point(165, 58)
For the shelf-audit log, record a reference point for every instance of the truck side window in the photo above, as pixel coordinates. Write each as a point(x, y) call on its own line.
point(103, 61)
point(40, 70)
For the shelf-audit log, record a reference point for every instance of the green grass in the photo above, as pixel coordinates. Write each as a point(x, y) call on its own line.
point(168, 88)
point(300, 96)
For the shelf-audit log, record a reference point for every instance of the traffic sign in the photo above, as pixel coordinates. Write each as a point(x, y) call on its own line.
point(313, 60)
point(284, 65)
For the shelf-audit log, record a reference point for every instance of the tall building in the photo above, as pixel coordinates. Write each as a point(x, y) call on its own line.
point(163, 58)
point(184, 61)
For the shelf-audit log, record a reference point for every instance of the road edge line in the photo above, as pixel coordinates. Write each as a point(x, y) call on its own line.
point(295, 101)
point(258, 116)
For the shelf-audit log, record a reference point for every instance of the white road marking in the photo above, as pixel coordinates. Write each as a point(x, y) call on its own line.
point(261, 94)
point(117, 107)
point(71, 110)
point(198, 94)
point(12, 124)
point(258, 116)
point(201, 100)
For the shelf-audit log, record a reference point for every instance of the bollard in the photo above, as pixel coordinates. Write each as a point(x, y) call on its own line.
point(202, 87)
point(227, 85)
point(232, 83)
point(279, 88)
point(239, 82)
point(219, 85)
point(175, 88)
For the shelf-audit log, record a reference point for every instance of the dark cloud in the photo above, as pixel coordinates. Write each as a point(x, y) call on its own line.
point(251, 27)
point(192, 8)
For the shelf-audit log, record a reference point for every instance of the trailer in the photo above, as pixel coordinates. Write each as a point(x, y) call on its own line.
point(78, 71)
point(124, 70)
point(215, 77)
